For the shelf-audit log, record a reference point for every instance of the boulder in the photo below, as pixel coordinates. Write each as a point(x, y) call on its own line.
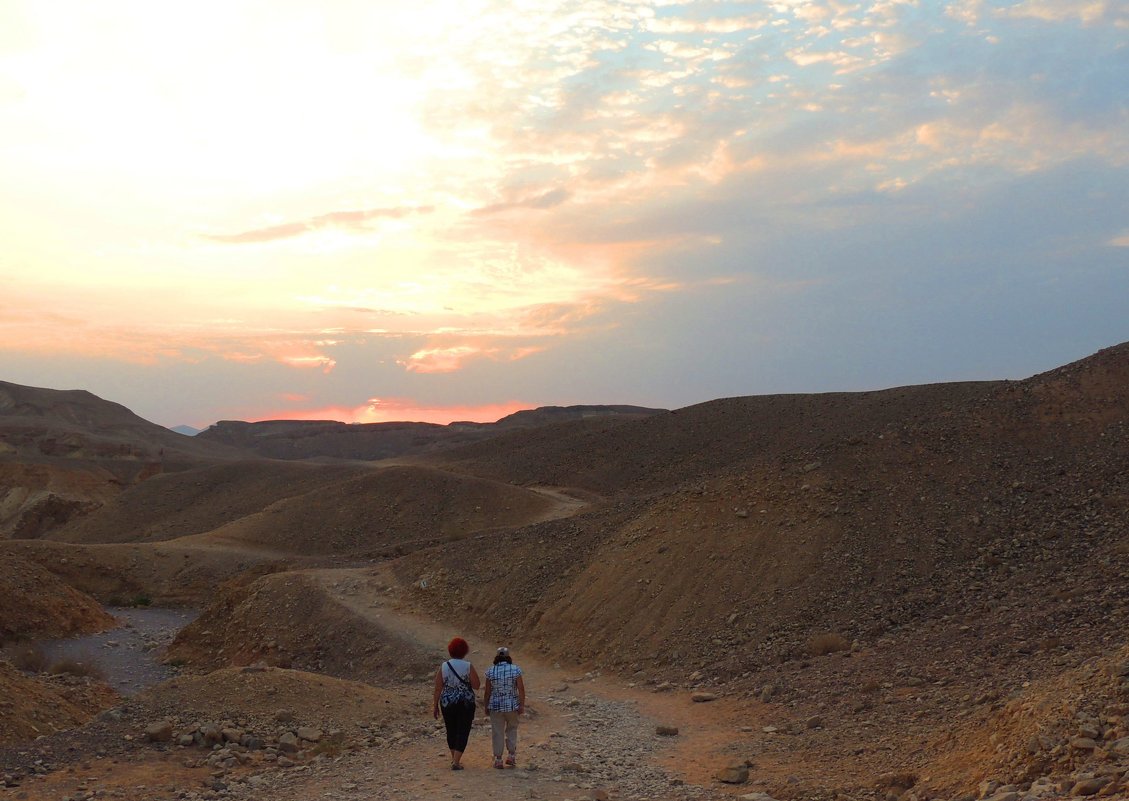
point(1089, 786)
point(159, 732)
point(288, 743)
point(309, 734)
point(736, 773)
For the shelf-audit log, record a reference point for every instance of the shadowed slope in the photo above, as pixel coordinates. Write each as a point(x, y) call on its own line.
point(194, 501)
point(381, 510)
point(36, 603)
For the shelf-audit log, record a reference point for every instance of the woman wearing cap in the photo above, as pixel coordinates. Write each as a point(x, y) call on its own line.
point(455, 683)
point(504, 699)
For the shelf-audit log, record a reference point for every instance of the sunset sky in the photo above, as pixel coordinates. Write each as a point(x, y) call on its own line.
point(439, 210)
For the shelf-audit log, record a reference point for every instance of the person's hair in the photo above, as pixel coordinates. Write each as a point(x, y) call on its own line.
point(503, 655)
point(458, 648)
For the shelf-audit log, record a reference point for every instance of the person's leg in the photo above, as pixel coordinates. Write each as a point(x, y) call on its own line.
point(465, 719)
point(451, 722)
point(497, 732)
point(511, 737)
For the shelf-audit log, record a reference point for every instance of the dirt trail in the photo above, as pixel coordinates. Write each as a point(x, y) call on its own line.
point(582, 733)
point(567, 503)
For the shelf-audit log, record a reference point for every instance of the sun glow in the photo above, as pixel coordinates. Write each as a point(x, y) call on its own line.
point(409, 197)
point(393, 410)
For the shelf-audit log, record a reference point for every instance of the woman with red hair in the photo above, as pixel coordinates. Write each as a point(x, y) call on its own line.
point(455, 684)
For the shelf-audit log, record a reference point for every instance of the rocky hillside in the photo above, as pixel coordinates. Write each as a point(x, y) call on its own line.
point(43, 424)
point(64, 454)
point(179, 504)
point(383, 512)
point(743, 528)
point(38, 706)
point(36, 603)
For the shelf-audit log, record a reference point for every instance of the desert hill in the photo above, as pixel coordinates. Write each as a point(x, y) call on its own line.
point(37, 603)
point(198, 500)
point(66, 453)
point(32, 707)
point(854, 513)
point(640, 455)
point(667, 449)
point(39, 424)
point(383, 512)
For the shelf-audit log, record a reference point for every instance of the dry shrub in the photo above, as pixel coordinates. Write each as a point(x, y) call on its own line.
point(899, 780)
point(72, 667)
point(28, 658)
point(332, 746)
point(822, 644)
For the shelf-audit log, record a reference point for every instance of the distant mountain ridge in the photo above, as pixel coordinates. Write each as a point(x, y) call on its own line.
point(311, 439)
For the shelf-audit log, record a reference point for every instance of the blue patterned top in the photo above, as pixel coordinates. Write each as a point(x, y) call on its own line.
point(503, 687)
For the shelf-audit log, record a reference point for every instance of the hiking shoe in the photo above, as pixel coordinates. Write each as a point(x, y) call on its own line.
point(498, 763)
point(511, 761)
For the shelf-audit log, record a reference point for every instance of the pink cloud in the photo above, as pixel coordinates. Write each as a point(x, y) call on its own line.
point(442, 360)
point(440, 357)
point(348, 220)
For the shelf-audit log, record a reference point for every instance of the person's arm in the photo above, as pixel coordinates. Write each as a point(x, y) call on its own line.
point(437, 691)
point(486, 693)
point(520, 695)
point(474, 681)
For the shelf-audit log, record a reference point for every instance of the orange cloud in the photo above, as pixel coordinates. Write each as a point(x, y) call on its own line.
point(442, 360)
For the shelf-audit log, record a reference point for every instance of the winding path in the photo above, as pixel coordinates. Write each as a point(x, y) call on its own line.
point(583, 733)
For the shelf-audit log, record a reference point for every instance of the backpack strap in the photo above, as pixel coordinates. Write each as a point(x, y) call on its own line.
point(454, 672)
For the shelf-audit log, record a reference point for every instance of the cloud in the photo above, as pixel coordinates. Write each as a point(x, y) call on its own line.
point(449, 358)
point(1088, 12)
point(545, 200)
point(346, 220)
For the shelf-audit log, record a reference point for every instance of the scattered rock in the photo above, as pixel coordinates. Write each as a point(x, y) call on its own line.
point(736, 773)
point(159, 732)
point(1089, 786)
point(309, 734)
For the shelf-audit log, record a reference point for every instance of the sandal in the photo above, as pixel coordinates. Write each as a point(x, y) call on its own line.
point(456, 766)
